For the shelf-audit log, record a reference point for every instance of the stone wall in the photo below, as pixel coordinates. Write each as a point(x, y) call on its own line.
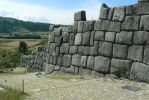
point(116, 43)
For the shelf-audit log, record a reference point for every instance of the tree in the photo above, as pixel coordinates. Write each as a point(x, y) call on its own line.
point(23, 48)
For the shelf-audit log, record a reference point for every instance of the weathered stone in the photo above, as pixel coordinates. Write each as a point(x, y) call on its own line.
point(102, 64)
point(62, 70)
point(52, 49)
point(101, 25)
point(57, 32)
point(114, 26)
point(80, 50)
point(143, 8)
point(111, 12)
point(70, 70)
point(49, 69)
point(131, 23)
point(94, 49)
point(120, 51)
point(119, 14)
point(86, 50)
point(105, 49)
point(51, 37)
point(92, 38)
point(139, 72)
point(59, 41)
point(144, 25)
point(146, 55)
point(129, 10)
point(90, 62)
point(110, 36)
point(104, 10)
point(98, 25)
point(60, 60)
point(76, 70)
point(73, 49)
point(84, 72)
point(135, 53)
point(70, 29)
point(141, 37)
point(71, 39)
point(97, 74)
point(78, 39)
point(67, 60)
point(88, 26)
point(64, 29)
point(54, 61)
point(64, 48)
point(76, 60)
point(86, 38)
point(80, 16)
point(56, 68)
point(99, 35)
point(121, 68)
point(84, 61)
point(80, 26)
point(65, 37)
point(75, 27)
point(124, 37)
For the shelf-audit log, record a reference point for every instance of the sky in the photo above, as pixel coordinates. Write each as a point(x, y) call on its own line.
point(55, 11)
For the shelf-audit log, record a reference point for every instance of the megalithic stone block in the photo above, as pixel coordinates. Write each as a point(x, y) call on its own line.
point(104, 11)
point(80, 16)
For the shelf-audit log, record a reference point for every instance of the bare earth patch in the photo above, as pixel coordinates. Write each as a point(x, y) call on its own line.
point(75, 87)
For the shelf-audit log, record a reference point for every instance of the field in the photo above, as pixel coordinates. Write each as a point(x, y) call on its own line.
point(69, 87)
point(14, 43)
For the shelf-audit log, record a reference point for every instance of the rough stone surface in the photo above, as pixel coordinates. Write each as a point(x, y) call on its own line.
point(90, 62)
point(139, 72)
point(111, 12)
point(94, 50)
point(105, 48)
point(80, 26)
point(84, 61)
point(114, 26)
point(110, 36)
point(76, 60)
point(64, 48)
point(102, 64)
point(146, 55)
point(78, 39)
point(135, 53)
point(99, 35)
point(66, 60)
point(144, 25)
point(88, 26)
point(71, 39)
point(119, 14)
point(80, 16)
point(124, 37)
point(121, 67)
point(120, 51)
point(73, 50)
point(104, 10)
point(86, 38)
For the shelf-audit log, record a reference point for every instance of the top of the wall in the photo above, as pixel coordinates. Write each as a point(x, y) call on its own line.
point(143, 0)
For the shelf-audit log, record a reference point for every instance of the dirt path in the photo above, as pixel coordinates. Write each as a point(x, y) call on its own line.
point(45, 88)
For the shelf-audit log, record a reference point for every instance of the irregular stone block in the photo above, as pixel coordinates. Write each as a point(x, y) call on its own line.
point(57, 51)
point(73, 50)
point(101, 25)
point(76, 70)
point(86, 38)
point(59, 41)
point(99, 35)
point(92, 38)
point(60, 60)
point(57, 32)
point(52, 49)
point(78, 39)
point(67, 60)
point(80, 26)
point(144, 25)
point(88, 26)
point(75, 27)
point(84, 72)
point(129, 10)
point(119, 14)
point(141, 37)
point(90, 62)
point(70, 70)
point(70, 29)
point(65, 37)
point(124, 37)
point(139, 72)
point(102, 64)
point(80, 16)
point(80, 50)
point(71, 39)
point(49, 68)
point(94, 49)
point(146, 54)
point(86, 50)
point(98, 25)
point(84, 61)
point(51, 37)
point(64, 48)
point(104, 10)
point(54, 60)
point(121, 68)
point(110, 36)
point(135, 53)
point(56, 68)
point(105, 49)
point(97, 74)
point(111, 12)
point(114, 26)
point(120, 51)
point(76, 60)
point(131, 23)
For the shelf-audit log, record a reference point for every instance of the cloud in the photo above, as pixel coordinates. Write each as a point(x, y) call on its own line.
point(37, 13)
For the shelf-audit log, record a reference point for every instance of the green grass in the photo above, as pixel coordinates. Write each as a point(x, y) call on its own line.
point(12, 94)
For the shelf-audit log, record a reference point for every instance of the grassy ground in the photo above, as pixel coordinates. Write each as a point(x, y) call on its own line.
point(74, 87)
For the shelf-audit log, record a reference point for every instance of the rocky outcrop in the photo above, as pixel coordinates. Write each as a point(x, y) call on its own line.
point(116, 43)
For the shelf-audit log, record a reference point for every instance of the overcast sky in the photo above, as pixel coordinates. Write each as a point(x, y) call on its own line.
point(55, 11)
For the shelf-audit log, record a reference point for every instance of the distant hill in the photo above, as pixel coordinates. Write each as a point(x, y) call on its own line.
point(9, 25)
